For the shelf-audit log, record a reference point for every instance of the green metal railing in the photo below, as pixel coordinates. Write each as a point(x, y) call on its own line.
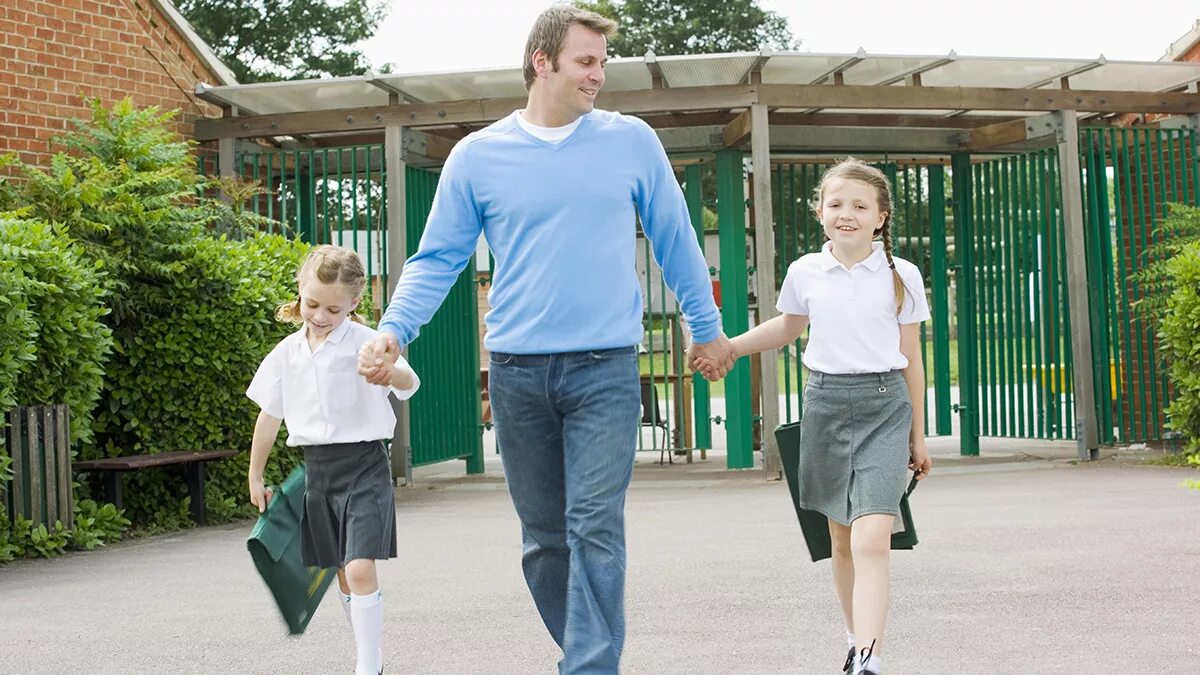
point(446, 415)
point(1130, 175)
point(338, 196)
point(1016, 264)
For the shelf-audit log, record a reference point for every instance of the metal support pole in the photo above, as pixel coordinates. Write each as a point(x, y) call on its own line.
point(1086, 433)
point(397, 253)
point(764, 264)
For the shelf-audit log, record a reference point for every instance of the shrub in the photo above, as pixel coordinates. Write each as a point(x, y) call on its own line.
point(1179, 326)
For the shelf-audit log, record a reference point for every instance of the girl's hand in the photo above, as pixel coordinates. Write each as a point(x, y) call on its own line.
point(259, 494)
point(919, 460)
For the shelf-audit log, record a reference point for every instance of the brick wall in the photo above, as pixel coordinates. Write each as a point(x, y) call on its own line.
point(55, 54)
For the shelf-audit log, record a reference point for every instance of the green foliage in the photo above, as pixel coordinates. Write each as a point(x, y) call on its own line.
point(1179, 326)
point(60, 297)
point(190, 311)
point(97, 524)
point(179, 381)
point(673, 27)
point(1170, 235)
point(295, 40)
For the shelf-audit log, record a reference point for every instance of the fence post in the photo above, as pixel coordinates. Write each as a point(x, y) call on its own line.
point(38, 442)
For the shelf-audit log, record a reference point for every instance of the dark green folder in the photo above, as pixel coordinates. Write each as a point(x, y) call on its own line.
point(274, 545)
point(814, 525)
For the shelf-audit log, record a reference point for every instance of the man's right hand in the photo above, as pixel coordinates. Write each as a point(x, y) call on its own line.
point(376, 357)
point(260, 495)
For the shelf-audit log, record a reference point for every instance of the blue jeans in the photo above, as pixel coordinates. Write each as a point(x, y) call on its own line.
point(567, 428)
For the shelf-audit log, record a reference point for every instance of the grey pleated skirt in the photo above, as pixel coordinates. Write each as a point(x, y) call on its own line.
point(349, 504)
point(854, 444)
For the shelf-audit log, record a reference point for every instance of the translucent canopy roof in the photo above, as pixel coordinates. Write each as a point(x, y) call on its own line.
point(634, 74)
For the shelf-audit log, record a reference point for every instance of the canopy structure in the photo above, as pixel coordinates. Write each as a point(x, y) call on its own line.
point(779, 103)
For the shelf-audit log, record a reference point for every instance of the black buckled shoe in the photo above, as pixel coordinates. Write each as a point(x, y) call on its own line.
point(849, 665)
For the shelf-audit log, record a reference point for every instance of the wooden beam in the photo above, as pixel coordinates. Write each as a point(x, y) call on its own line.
point(1086, 430)
point(707, 99)
point(973, 98)
point(764, 264)
point(1011, 132)
point(884, 120)
point(737, 130)
point(396, 255)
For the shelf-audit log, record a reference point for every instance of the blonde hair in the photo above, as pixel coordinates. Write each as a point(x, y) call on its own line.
point(327, 264)
point(549, 32)
point(854, 169)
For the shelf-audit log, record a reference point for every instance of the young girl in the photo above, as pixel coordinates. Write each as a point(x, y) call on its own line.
point(344, 425)
point(863, 404)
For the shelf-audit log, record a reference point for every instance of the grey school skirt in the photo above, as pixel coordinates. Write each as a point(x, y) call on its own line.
point(854, 444)
point(349, 504)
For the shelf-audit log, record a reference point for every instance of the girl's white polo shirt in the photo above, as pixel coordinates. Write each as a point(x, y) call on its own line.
point(320, 395)
point(852, 316)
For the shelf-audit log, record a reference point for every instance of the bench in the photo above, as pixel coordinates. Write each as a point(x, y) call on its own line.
point(193, 462)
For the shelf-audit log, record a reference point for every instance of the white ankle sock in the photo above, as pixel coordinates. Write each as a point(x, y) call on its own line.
point(367, 621)
point(849, 639)
point(345, 598)
point(873, 664)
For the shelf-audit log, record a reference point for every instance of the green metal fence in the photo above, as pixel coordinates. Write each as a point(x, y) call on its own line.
point(446, 414)
point(1130, 176)
point(990, 247)
point(338, 196)
point(1015, 298)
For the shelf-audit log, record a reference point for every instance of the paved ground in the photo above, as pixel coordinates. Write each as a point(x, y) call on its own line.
point(1028, 563)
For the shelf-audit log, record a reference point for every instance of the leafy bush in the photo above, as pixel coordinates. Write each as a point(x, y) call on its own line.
point(179, 381)
point(1170, 236)
point(64, 306)
point(190, 312)
point(1179, 325)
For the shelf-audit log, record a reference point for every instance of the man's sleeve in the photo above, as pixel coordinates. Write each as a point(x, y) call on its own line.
point(451, 233)
point(666, 222)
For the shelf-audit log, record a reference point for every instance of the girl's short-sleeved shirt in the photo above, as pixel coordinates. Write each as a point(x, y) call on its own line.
point(320, 395)
point(853, 325)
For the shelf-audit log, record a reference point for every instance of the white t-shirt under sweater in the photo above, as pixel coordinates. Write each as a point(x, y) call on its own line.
point(853, 325)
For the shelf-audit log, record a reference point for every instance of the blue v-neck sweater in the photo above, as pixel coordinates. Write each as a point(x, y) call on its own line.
point(560, 220)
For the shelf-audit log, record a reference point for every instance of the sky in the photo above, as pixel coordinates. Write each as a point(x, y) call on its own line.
point(437, 35)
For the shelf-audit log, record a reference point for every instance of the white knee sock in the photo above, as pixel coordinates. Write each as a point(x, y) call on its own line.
point(367, 621)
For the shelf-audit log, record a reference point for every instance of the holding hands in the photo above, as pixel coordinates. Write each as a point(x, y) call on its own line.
point(713, 359)
point(377, 359)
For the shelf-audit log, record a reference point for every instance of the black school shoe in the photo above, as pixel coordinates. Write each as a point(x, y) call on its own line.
point(849, 665)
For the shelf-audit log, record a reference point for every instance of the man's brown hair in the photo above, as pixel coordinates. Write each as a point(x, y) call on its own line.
point(549, 33)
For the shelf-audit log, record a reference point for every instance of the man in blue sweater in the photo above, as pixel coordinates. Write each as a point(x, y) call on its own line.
point(557, 190)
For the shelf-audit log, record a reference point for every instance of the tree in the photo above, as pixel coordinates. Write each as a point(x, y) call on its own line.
point(267, 40)
point(671, 27)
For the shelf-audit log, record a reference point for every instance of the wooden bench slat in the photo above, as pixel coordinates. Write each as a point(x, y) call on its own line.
point(135, 462)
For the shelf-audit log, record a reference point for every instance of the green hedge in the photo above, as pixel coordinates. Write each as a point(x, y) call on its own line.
point(178, 380)
point(52, 342)
point(189, 314)
point(1179, 327)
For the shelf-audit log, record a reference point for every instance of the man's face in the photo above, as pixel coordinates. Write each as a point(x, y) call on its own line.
point(571, 88)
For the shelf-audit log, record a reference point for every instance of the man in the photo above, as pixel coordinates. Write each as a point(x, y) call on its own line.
point(557, 189)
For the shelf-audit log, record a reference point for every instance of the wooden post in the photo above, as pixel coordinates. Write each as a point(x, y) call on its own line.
point(397, 253)
point(1086, 432)
point(764, 264)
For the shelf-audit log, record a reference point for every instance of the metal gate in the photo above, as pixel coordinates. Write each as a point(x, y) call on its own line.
point(338, 196)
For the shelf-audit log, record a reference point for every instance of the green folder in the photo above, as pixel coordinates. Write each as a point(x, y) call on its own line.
point(274, 546)
point(814, 525)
